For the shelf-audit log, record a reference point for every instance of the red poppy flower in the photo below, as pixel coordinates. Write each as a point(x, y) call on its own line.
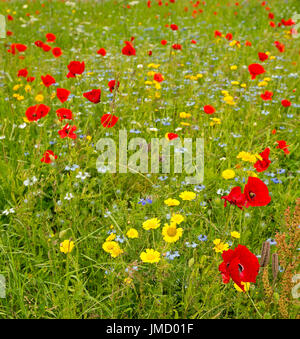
point(68, 131)
point(62, 94)
point(228, 36)
point(48, 157)
point(56, 51)
point(112, 85)
point(75, 67)
point(46, 47)
point(30, 79)
point(36, 112)
point(10, 18)
point(109, 120)
point(158, 77)
point(193, 41)
point(218, 33)
point(21, 47)
point(235, 197)
point(262, 165)
point(263, 56)
point(255, 70)
point(164, 42)
point(248, 43)
point(282, 145)
point(267, 95)
point(22, 73)
point(256, 192)
point(174, 27)
point(271, 16)
point(285, 103)
point(128, 49)
point(177, 46)
point(50, 37)
point(279, 46)
point(48, 80)
point(172, 136)
point(39, 43)
point(149, 53)
point(240, 265)
point(101, 51)
point(272, 24)
point(208, 109)
point(64, 113)
point(93, 95)
point(9, 33)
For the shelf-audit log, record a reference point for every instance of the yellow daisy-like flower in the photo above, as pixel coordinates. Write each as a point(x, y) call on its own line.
point(108, 246)
point(246, 156)
point(185, 115)
point(151, 224)
point(116, 251)
point(187, 195)
point(177, 219)
point(235, 235)
point(39, 98)
point(111, 237)
point(113, 248)
point(132, 233)
point(150, 256)
point(172, 202)
point(27, 88)
point(128, 281)
point(228, 174)
point(220, 246)
point(233, 67)
point(66, 246)
point(171, 233)
point(215, 121)
point(245, 284)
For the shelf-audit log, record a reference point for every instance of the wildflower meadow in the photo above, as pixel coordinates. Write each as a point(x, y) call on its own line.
point(149, 163)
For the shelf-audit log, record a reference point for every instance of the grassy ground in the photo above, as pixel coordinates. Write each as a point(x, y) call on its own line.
point(41, 281)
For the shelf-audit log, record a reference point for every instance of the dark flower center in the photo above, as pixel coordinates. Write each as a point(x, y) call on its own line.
point(241, 268)
point(252, 195)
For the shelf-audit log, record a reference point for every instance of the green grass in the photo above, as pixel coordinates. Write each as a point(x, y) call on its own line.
point(41, 281)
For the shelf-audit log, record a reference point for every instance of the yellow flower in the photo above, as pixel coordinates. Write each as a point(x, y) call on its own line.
point(235, 83)
point(243, 85)
point(150, 256)
point(245, 284)
point(252, 174)
point(172, 202)
point(157, 95)
point(185, 124)
point(187, 195)
point(112, 248)
point(215, 121)
point(111, 237)
point(262, 84)
point(66, 246)
point(233, 67)
point(132, 233)
point(148, 82)
point(171, 233)
point(157, 85)
point(235, 235)
point(246, 156)
point(27, 88)
point(39, 98)
point(116, 251)
point(228, 174)
point(177, 219)
point(151, 224)
point(199, 76)
point(88, 137)
point(184, 115)
point(220, 246)
point(16, 87)
point(127, 281)
point(108, 246)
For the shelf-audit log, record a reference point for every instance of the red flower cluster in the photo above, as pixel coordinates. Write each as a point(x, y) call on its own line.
point(240, 265)
point(36, 112)
point(256, 193)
